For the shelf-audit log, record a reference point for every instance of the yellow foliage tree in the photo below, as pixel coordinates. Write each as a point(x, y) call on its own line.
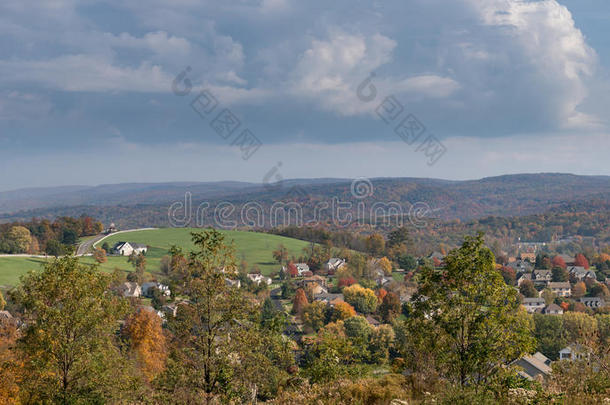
point(341, 311)
point(148, 343)
point(385, 265)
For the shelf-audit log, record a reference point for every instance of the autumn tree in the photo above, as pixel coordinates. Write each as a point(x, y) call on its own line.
point(375, 244)
point(579, 290)
point(2, 302)
point(300, 302)
point(70, 339)
point(559, 262)
point(20, 238)
point(509, 275)
point(527, 289)
point(314, 315)
point(467, 317)
point(362, 299)
point(144, 332)
point(581, 260)
point(100, 255)
point(10, 365)
point(138, 261)
point(385, 265)
point(390, 307)
point(280, 254)
point(342, 311)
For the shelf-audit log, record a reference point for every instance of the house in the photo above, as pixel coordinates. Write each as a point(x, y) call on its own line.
point(553, 309)
point(522, 277)
point(561, 289)
point(533, 366)
point(574, 352)
point(436, 255)
point(592, 302)
point(521, 266)
point(580, 273)
point(259, 278)
point(316, 289)
point(147, 289)
point(130, 290)
point(170, 309)
point(312, 280)
point(232, 283)
point(302, 268)
point(329, 298)
point(542, 276)
point(148, 308)
point(529, 256)
point(533, 304)
point(334, 264)
point(127, 248)
point(382, 280)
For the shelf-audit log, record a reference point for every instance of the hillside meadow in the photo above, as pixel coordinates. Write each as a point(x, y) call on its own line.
point(255, 248)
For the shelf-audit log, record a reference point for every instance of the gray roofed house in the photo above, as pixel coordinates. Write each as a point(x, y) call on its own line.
point(533, 304)
point(522, 277)
point(534, 366)
point(328, 297)
point(542, 276)
point(592, 302)
point(553, 309)
point(562, 289)
point(581, 273)
point(130, 290)
point(521, 266)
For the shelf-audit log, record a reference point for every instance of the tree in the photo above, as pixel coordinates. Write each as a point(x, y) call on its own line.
point(380, 343)
point(578, 326)
point(314, 315)
point(470, 320)
point(300, 302)
point(346, 282)
point(69, 237)
point(407, 262)
point(147, 342)
point(218, 351)
point(509, 275)
point(549, 335)
point(2, 302)
point(579, 290)
point(581, 260)
point(527, 289)
point(106, 247)
point(342, 311)
point(138, 261)
point(385, 265)
point(362, 299)
point(375, 244)
point(69, 341)
point(559, 274)
point(559, 262)
point(280, 254)
point(100, 255)
point(390, 307)
point(548, 295)
point(21, 238)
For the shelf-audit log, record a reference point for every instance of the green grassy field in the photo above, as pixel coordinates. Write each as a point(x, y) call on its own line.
point(255, 248)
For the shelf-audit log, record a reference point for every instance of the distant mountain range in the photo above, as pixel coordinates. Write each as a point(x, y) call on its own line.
point(146, 204)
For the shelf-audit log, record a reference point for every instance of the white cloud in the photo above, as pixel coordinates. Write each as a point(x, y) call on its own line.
point(543, 35)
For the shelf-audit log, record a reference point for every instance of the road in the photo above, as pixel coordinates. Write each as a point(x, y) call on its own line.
point(84, 247)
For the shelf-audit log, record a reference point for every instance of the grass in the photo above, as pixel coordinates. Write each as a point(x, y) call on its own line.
point(255, 248)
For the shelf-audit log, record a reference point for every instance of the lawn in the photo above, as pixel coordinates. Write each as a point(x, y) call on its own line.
point(255, 248)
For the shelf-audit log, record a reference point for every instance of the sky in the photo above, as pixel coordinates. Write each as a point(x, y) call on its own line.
point(97, 92)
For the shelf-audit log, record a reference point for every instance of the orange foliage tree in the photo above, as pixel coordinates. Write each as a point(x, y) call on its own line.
point(581, 260)
point(300, 302)
point(147, 342)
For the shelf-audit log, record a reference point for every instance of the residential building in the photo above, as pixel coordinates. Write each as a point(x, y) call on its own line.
point(534, 366)
point(130, 290)
point(542, 276)
point(593, 302)
point(533, 304)
point(259, 278)
point(147, 289)
point(127, 248)
point(334, 264)
point(561, 289)
point(553, 309)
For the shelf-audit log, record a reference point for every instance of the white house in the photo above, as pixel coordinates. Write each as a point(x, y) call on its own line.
point(562, 289)
point(259, 278)
point(302, 268)
point(574, 352)
point(533, 304)
point(130, 290)
point(334, 264)
point(147, 289)
point(127, 248)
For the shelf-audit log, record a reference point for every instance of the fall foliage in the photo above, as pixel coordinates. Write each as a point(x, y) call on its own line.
point(147, 343)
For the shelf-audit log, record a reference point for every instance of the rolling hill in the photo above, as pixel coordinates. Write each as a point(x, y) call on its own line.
point(255, 248)
point(137, 205)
